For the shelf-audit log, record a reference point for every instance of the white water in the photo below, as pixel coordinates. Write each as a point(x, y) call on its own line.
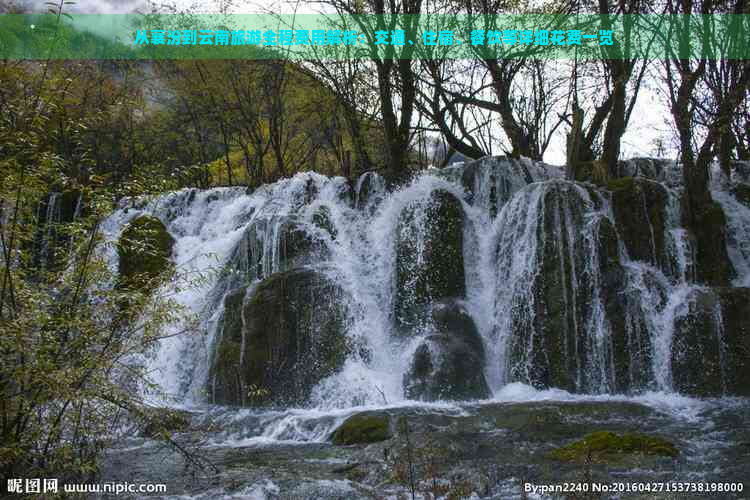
point(505, 230)
point(738, 226)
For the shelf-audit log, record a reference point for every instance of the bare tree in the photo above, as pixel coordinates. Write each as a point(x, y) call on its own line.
point(394, 69)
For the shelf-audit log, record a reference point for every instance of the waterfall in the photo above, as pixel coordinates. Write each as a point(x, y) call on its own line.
point(547, 277)
point(738, 244)
point(52, 217)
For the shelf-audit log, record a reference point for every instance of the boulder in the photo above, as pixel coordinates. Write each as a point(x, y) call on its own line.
point(144, 249)
point(629, 333)
point(490, 182)
point(279, 339)
point(713, 266)
point(362, 428)
point(429, 257)
point(552, 303)
point(448, 365)
point(639, 207)
point(711, 344)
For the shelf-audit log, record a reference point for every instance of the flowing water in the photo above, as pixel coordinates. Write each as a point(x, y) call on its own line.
point(522, 224)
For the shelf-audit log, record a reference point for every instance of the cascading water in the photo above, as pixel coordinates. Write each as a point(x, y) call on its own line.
point(551, 281)
point(486, 312)
point(738, 222)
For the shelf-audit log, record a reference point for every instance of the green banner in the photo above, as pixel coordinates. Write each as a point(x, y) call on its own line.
point(434, 36)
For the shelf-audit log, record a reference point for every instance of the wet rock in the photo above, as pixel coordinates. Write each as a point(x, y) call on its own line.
point(697, 367)
point(429, 257)
point(275, 245)
point(639, 209)
point(72, 205)
point(742, 193)
point(279, 340)
point(549, 344)
point(322, 219)
point(448, 364)
point(608, 447)
point(362, 428)
point(51, 242)
point(630, 336)
point(741, 171)
point(655, 169)
point(713, 266)
point(490, 182)
point(735, 313)
point(593, 171)
point(370, 190)
point(144, 250)
point(711, 344)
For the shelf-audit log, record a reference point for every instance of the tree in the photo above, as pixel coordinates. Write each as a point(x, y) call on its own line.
point(394, 70)
point(685, 78)
point(599, 138)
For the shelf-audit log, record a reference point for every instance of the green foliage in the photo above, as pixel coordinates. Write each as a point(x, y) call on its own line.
point(65, 331)
point(257, 394)
point(164, 421)
point(251, 122)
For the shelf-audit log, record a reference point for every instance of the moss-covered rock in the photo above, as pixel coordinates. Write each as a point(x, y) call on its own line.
point(448, 365)
point(549, 346)
point(279, 340)
point(630, 336)
point(429, 257)
point(696, 357)
point(363, 428)
point(160, 421)
point(651, 168)
point(605, 446)
point(711, 344)
point(144, 250)
point(491, 181)
point(735, 315)
point(639, 209)
point(713, 266)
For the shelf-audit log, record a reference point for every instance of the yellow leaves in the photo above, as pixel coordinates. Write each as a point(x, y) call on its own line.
point(256, 393)
point(98, 180)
